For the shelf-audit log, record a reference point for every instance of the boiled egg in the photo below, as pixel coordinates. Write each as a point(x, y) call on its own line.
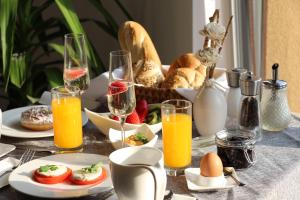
point(211, 171)
point(211, 165)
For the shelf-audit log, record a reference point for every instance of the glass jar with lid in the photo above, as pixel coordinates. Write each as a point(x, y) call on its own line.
point(275, 111)
point(236, 148)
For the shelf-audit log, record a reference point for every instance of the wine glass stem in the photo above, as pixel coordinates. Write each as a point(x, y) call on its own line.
point(122, 121)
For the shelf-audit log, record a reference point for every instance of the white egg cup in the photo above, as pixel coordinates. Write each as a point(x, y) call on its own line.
point(218, 181)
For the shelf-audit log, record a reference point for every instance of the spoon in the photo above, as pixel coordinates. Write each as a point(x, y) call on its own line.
point(228, 172)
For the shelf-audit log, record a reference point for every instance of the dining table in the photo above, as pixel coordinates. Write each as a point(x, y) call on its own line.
point(275, 175)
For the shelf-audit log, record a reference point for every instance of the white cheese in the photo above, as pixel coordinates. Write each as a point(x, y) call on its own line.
point(59, 171)
point(87, 176)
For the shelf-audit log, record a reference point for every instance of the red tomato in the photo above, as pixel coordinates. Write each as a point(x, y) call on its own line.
point(100, 179)
point(51, 179)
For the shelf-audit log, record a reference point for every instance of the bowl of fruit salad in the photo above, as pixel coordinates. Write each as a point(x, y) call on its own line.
point(144, 114)
point(141, 136)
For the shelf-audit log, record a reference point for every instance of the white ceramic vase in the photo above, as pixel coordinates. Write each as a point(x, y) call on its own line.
point(210, 109)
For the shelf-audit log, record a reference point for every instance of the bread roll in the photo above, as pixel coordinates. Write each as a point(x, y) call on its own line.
point(185, 72)
point(183, 78)
point(145, 60)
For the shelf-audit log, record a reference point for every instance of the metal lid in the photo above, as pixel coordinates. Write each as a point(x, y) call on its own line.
point(250, 84)
point(233, 77)
point(274, 82)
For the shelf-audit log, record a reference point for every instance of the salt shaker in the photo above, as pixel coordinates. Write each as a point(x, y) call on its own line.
point(276, 114)
point(233, 97)
point(249, 111)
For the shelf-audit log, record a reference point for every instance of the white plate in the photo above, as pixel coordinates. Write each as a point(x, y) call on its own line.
point(192, 174)
point(21, 178)
point(11, 125)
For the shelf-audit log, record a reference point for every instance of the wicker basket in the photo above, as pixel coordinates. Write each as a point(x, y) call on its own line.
point(156, 95)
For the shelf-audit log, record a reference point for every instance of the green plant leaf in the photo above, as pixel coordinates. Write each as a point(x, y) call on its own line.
point(8, 13)
point(54, 76)
point(105, 28)
point(32, 99)
point(58, 48)
point(74, 25)
point(18, 68)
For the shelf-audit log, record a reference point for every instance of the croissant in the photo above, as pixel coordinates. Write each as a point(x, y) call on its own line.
point(146, 64)
point(185, 72)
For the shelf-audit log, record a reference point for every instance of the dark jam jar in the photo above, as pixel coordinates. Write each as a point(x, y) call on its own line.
point(236, 148)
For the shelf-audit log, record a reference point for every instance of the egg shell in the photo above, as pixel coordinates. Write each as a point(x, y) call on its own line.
point(211, 165)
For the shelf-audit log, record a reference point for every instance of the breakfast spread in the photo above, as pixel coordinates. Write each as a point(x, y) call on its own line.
point(52, 174)
point(37, 118)
point(211, 171)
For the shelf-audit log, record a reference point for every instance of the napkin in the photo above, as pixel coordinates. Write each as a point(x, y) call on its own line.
point(6, 164)
point(6, 148)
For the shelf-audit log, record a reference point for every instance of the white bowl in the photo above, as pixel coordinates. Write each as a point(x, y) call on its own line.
point(116, 138)
point(104, 123)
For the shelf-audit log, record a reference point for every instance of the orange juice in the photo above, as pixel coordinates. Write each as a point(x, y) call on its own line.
point(67, 122)
point(177, 139)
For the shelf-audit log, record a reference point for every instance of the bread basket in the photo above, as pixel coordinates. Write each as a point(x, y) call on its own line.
point(158, 95)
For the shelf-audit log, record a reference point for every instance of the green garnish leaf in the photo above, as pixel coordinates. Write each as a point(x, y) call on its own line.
point(46, 168)
point(141, 137)
point(92, 169)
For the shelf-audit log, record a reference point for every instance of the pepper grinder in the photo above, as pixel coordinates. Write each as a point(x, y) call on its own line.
point(249, 112)
point(233, 97)
point(276, 114)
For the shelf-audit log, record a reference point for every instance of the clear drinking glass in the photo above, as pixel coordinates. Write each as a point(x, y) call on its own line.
point(76, 71)
point(177, 135)
point(121, 95)
point(67, 122)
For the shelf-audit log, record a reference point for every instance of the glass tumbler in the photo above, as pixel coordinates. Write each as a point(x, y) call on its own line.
point(67, 123)
point(177, 135)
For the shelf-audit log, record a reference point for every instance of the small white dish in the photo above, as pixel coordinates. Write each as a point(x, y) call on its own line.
point(104, 123)
point(21, 178)
point(192, 178)
point(116, 139)
point(11, 126)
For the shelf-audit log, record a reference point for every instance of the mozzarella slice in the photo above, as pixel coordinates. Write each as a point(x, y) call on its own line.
point(87, 176)
point(57, 172)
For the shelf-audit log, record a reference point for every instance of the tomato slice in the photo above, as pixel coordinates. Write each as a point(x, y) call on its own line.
point(100, 179)
point(51, 179)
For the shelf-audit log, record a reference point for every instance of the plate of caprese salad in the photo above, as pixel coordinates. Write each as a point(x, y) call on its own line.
point(63, 176)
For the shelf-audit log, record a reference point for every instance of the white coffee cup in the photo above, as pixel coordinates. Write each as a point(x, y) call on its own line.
point(138, 173)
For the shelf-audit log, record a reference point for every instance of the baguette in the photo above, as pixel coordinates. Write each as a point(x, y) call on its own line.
point(145, 60)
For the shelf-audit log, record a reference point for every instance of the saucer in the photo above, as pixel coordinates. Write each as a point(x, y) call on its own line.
point(192, 175)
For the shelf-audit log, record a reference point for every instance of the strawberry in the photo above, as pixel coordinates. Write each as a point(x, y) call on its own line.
point(114, 117)
point(116, 87)
point(72, 74)
point(133, 118)
point(142, 109)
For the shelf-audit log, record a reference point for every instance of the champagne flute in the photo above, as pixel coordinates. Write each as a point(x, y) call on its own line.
point(76, 72)
point(121, 95)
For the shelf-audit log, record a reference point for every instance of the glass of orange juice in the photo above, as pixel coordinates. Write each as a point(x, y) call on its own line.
point(176, 134)
point(67, 123)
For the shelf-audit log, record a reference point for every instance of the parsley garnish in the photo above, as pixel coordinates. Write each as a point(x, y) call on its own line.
point(92, 169)
point(46, 168)
point(141, 137)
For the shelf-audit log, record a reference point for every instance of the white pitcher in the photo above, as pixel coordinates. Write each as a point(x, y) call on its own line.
point(138, 173)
